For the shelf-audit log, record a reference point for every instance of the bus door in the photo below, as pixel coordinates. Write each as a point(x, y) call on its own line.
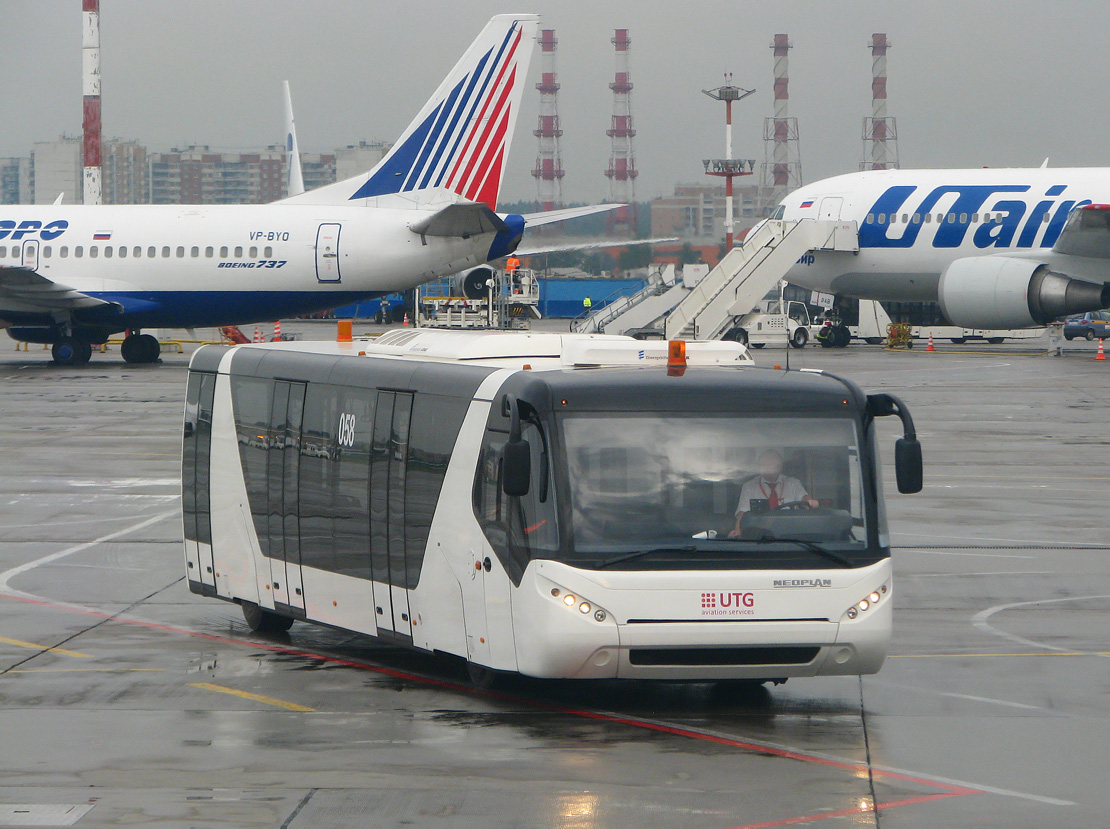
point(388, 475)
point(195, 494)
point(327, 253)
point(283, 475)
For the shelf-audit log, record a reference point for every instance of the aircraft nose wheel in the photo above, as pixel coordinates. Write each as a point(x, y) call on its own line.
point(70, 351)
point(141, 348)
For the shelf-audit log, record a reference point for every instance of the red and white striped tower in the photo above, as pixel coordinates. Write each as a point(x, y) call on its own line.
point(548, 171)
point(880, 131)
point(622, 170)
point(782, 167)
point(728, 167)
point(90, 83)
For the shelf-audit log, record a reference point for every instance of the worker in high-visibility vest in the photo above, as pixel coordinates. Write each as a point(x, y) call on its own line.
point(587, 304)
point(511, 264)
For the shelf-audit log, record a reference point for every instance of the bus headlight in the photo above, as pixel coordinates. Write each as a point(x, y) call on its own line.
point(569, 600)
point(866, 603)
point(572, 601)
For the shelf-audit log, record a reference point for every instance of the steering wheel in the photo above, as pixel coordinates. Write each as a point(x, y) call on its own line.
point(791, 506)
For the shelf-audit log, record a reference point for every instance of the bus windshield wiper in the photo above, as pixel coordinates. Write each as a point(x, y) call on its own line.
point(813, 546)
point(689, 548)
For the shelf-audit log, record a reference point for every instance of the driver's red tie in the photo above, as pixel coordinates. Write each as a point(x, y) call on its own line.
point(772, 496)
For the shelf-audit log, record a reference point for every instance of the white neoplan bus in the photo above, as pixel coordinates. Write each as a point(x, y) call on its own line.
point(554, 505)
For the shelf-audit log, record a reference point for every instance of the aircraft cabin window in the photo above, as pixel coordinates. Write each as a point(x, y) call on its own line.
point(209, 252)
point(928, 218)
point(268, 252)
point(107, 251)
point(1046, 218)
point(180, 252)
point(905, 219)
point(238, 253)
point(136, 252)
point(223, 252)
point(63, 251)
point(917, 218)
point(166, 252)
point(122, 252)
point(46, 252)
point(254, 253)
point(151, 252)
point(974, 218)
point(194, 252)
point(78, 251)
point(93, 251)
point(882, 218)
point(963, 218)
point(3, 252)
point(870, 218)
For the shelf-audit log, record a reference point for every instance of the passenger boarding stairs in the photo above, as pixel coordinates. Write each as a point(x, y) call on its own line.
point(747, 273)
point(661, 293)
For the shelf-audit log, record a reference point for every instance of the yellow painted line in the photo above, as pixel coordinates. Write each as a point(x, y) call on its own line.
point(79, 670)
point(19, 643)
point(972, 655)
point(280, 703)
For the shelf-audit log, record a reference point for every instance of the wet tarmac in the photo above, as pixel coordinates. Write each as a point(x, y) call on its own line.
point(127, 701)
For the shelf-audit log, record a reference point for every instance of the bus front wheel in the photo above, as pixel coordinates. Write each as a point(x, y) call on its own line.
point(263, 621)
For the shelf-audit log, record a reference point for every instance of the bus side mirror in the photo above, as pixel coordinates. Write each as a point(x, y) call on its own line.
point(516, 473)
point(908, 465)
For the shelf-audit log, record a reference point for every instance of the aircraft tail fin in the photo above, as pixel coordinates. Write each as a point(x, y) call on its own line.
point(460, 139)
point(294, 178)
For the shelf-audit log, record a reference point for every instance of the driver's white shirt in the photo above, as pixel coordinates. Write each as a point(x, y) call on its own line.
point(788, 489)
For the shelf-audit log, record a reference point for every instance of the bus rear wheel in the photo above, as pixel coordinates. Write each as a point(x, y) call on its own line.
point(263, 621)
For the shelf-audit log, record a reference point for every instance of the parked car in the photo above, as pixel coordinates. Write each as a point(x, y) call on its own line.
point(1094, 325)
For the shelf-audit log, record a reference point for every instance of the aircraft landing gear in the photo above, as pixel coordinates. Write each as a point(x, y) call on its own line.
point(140, 348)
point(70, 351)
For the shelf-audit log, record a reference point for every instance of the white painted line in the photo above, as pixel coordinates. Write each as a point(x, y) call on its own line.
point(920, 552)
point(987, 573)
point(980, 621)
point(8, 575)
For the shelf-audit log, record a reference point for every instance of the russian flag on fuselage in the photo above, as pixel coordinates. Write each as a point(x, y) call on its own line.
point(461, 137)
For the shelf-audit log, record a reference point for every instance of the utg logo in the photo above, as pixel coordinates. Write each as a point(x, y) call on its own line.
point(727, 602)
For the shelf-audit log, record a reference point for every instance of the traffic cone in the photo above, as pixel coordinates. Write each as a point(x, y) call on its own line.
point(929, 347)
point(1100, 355)
point(257, 334)
point(277, 331)
point(405, 322)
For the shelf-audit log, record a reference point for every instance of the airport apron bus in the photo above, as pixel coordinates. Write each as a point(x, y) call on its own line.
point(556, 505)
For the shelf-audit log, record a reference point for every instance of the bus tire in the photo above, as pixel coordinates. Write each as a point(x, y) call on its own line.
point(959, 340)
point(996, 340)
point(874, 340)
point(263, 621)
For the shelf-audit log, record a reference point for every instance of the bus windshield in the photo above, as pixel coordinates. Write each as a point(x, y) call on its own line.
point(736, 491)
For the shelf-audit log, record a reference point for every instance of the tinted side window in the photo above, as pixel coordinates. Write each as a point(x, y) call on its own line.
point(353, 428)
point(251, 399)
point(319, 470)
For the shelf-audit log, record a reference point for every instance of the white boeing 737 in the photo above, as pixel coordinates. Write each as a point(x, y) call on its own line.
point(997, 248)
point(72, 276)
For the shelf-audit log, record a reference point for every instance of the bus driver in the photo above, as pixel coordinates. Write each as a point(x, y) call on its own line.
point(770, 485)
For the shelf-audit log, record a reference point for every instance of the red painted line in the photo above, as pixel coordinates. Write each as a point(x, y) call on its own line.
point(946, 789)
point(892, 804)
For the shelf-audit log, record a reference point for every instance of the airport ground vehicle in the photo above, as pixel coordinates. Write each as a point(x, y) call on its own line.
point(1094, 325)
point(554, 505)
point(768, 324)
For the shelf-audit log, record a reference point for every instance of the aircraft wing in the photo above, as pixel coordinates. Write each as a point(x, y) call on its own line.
point(1087, 233)
point(536, 219)
point(25, 291)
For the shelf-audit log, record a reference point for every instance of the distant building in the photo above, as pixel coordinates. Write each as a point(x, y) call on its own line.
point(124, 176)
point(15, 181)
point(317, 170)
point(197, 175)
point(56, 169)
point(356, 159)
point(696, 212)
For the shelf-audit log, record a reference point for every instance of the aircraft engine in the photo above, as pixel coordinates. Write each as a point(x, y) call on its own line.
point(472, 283)
point(999, 292)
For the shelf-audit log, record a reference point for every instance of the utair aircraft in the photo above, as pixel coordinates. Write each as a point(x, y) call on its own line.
point(74, 275)
point(997, 248)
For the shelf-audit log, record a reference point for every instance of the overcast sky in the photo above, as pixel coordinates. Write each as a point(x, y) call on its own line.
point(972, 82)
